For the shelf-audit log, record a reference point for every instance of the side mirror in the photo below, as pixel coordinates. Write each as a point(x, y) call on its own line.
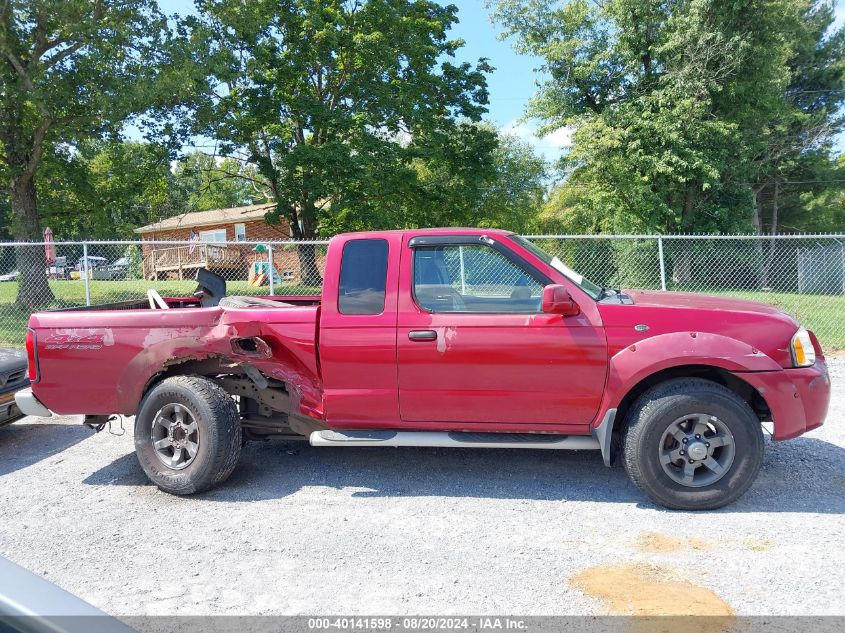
point(556, 300)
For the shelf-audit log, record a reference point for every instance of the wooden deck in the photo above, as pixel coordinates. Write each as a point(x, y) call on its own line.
point(188, 258)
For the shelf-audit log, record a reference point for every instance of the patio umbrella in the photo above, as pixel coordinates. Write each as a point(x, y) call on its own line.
point(49, 246)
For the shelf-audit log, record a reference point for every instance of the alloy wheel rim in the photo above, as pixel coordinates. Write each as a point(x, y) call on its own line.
point(175, 436)
point(696, 450)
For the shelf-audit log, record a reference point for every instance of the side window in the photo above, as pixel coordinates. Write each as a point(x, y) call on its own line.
point(473, 278)
point(363, 277)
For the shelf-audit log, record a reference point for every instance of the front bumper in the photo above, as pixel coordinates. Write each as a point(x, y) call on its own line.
point(30, 405)
point(798, 398)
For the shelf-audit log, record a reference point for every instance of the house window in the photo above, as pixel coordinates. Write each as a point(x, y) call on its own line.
point(215, 235)
point(287, 274)
point(240, 232)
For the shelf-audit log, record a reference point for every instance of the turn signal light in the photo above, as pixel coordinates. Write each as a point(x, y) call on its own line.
point(803, 352)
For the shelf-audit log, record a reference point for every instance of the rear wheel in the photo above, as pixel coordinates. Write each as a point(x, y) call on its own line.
point(187, 435)
point(692, 444)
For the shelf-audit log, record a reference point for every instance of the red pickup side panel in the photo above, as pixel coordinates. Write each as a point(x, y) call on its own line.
point(112, 365)
point(500, 372)
point(797, 398)
point(358, 351)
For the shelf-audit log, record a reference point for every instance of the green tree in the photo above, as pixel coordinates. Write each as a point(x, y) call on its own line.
point(789, 151)
point(105, 189)
point(479, 179)
point(69, 70)
point(205, 182)
point(684, 111)
point(332, 100)
point(508, 192)
point(824, 202)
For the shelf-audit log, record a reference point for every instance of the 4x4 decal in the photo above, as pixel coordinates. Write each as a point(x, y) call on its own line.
point(70, 341)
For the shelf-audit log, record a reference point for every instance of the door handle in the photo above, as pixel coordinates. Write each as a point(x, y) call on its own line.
point(422, 335)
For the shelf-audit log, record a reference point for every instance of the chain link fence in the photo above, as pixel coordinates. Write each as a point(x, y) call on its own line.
point(804, 275)
point(75, 274)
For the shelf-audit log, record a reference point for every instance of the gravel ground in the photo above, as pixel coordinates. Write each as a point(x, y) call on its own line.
point(301, 530)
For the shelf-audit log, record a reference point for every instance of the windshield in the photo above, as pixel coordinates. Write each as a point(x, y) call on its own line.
point(592, 289)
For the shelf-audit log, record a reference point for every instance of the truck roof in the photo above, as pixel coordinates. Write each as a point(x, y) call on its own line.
point(431, 231)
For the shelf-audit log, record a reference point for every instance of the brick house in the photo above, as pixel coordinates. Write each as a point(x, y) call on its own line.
point(216, 233)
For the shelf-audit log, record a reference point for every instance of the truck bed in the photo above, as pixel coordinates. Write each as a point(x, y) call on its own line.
point(114, 350)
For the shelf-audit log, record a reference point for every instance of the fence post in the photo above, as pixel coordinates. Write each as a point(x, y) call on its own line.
point(463, 273)
point(270, 271)
point(842, 258)
point(662, 263)
point(85, 273)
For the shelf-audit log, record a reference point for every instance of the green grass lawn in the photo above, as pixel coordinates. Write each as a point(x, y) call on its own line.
point(823, 314)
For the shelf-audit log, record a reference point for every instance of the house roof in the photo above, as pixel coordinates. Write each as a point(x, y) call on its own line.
point(206, 218)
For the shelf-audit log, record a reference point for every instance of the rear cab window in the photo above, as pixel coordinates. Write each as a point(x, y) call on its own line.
point(363, 277)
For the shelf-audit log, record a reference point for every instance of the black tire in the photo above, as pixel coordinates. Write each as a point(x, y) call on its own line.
point(657, 410)
point(218, 428)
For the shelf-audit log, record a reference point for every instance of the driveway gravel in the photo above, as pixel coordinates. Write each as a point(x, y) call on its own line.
point(301, 530)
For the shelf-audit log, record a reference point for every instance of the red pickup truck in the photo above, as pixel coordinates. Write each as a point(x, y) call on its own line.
point(441, 337)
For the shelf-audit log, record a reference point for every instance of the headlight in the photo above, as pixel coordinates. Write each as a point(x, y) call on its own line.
point(803, 352)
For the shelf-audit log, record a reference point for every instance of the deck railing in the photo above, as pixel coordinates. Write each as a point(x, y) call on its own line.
point(201, 255)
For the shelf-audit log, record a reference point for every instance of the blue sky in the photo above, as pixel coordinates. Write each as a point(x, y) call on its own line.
point(514, 80)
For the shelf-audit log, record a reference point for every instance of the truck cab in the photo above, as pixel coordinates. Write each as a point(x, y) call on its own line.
point(454, 337)
point(442, 337)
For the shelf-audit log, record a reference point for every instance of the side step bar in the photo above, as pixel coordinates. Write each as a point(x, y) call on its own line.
point(454, 439)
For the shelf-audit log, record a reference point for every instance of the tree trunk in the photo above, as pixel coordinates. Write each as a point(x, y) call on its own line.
point(682, 262)
point(757, 222)
point(682, 265)
point(33, 290)
point(767, 266)
point(308, 266)
point(309, 270)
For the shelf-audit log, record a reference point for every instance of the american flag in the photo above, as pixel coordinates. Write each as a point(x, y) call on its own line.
point(194, 239)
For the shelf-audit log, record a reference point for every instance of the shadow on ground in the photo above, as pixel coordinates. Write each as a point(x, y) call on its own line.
point(23, 444)
point(802, 475)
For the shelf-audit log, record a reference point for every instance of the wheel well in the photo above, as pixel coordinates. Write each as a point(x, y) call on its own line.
point(211, 366)
point(264, 402)
point(707, 372)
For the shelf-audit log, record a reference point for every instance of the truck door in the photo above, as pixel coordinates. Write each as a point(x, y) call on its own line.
point(473, 346)
point(357, 333)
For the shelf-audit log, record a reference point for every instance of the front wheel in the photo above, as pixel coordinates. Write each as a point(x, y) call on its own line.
point(187, 435)
point(692, 444)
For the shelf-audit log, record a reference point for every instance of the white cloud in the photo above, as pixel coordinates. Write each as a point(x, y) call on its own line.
point(551, 146)
point(519, 129)
point(562, 137)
